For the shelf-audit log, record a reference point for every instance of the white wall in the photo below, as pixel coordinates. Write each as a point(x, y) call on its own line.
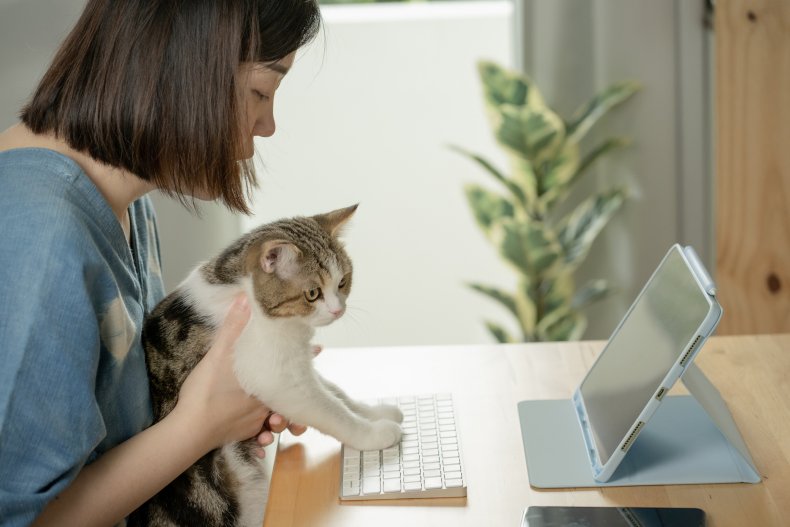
point(366, 116)
point(367, 113)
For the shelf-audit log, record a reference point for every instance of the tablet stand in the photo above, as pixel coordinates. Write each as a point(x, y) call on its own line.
point(691, 439)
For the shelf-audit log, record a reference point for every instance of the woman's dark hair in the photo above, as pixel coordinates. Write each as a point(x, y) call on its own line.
point(150, 86)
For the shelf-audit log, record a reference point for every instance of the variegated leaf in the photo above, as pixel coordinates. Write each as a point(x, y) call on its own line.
point(593, 291)
point(557, 292)
point(532, 247)
point(593, 155)
point(524, 177)
point(503, 297)
point(503, 86)
point(558, 171)
point(559, 192)
point(500, 334)
point(534, 133)
point(586, 116)
point(580, 228)
point(526, 311)
point(514, 188)
point(562, 325)
point(489, 208)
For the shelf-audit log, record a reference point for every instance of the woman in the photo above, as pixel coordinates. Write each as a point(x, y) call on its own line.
point(142, 95)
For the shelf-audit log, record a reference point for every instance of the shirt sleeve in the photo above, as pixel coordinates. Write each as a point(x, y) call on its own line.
point(50, 421)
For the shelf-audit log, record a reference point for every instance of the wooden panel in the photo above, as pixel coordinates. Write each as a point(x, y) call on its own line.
point(753, 164)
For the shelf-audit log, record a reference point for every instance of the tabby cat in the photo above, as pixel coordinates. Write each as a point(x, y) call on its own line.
point(297, 276)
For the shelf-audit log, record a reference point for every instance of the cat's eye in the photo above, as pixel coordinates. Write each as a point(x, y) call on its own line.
point(342, 283)
point(313, 294)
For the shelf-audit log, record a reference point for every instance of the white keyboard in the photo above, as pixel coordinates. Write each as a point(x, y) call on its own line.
point(425, 464)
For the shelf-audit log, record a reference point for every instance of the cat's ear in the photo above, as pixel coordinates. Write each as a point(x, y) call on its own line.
point(333, 222)
point(281, 257)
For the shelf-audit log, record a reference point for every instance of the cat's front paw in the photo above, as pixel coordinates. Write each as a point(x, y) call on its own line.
point(383, 434)
point(387, 411)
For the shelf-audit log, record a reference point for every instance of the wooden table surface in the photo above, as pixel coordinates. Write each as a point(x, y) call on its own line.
point(751, 372)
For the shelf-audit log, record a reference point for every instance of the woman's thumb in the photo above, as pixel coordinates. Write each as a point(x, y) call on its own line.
point(235, 322)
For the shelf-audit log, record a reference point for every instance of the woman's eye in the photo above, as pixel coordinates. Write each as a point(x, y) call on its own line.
point(313, 294)
point(260, 95)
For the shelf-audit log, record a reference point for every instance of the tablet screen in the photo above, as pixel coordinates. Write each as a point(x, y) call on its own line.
point(655, 332)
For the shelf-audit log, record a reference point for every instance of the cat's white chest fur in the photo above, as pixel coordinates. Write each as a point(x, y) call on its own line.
point(273, 361)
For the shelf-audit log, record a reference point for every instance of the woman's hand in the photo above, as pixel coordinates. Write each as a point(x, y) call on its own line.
point(214, 402)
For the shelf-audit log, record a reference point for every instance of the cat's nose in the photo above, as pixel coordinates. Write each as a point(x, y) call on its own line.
point(336, 312)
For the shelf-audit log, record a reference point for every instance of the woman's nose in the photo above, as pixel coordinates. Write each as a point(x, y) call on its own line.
point(265, 127)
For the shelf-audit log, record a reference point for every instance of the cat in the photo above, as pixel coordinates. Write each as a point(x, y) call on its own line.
point(297, 277)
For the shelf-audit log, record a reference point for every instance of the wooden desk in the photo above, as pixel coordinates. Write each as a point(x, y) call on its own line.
point(752, 373)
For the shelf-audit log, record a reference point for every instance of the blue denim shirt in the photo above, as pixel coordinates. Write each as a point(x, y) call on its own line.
point(73, 295)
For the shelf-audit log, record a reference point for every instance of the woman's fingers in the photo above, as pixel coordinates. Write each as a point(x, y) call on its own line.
point(235, 322)
point(277, 423)
point(297, 430)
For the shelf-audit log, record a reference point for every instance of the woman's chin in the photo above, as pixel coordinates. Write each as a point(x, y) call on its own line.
point(248, 152)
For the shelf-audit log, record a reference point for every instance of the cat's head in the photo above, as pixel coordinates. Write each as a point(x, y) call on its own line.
point(300, 269)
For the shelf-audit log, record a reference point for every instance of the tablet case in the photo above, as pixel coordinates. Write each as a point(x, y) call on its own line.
point(691, 439)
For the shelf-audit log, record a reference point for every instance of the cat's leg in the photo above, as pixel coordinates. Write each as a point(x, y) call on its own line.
point(251, 486)
point(373, 412)
point(311, 403)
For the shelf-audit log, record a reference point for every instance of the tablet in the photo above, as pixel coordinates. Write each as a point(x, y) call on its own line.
point(647, 353)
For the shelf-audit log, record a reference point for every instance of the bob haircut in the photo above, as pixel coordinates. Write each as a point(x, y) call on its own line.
point(150, 86)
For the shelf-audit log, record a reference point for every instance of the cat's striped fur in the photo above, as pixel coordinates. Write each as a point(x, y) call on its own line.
point(297, 276)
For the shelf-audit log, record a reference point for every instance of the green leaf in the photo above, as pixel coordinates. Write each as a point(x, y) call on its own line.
point(526, 310)
point(557, 292)
point(524, 175)
point(500, 334)
point(559, 170)
point(504, 298)
point(564, 182)
point(514, 188)
point(534, 133)
point(592, 156)
point(503, 86)
point(586, 116)
point(532, 247)
point(562, 325)
point(488, 207)
point(593, 291)
point(580, 228)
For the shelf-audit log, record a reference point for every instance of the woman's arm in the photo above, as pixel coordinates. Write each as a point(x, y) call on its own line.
point(212, 410)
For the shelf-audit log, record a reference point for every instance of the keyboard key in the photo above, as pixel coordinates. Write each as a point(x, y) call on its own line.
point(350, 491)
point(433, 483)
point(452, 475)
point(392, 485)
point(425, 462)
point(371, 486)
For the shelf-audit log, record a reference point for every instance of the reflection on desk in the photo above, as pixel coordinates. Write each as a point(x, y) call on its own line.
point(751, 372)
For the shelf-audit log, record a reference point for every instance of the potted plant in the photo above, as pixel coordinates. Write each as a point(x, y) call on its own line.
point(544, 247)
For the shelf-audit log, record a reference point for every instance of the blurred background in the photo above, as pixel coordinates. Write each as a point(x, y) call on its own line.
point(368, 115)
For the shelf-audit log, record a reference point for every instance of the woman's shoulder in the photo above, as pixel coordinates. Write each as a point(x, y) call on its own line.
point(35, 162)
point(43, 192)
